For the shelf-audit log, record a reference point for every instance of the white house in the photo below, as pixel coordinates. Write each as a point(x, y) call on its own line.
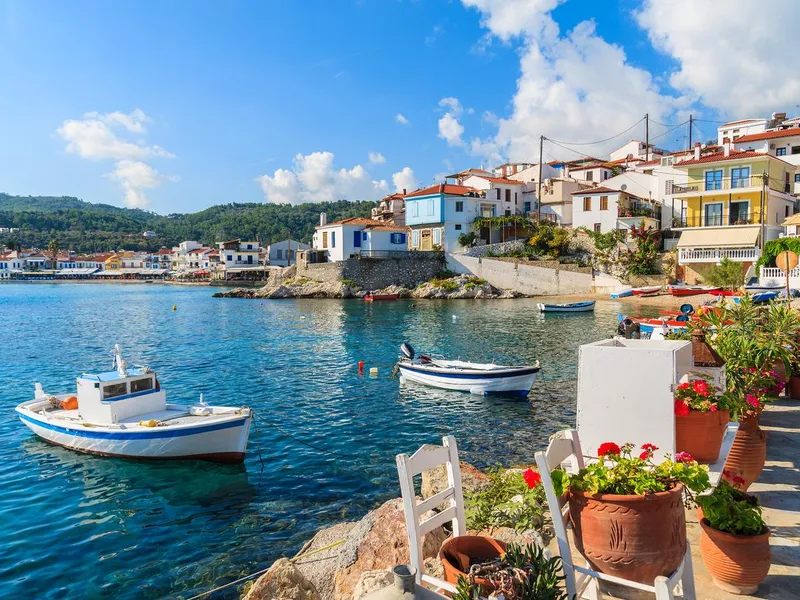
point(238, 254)
point(508, 169)
point(391, 209)
point(636, 149)
point(359, 236)
point(11, 263)
point(733, 130)
point(588, 169)
point(782, 143)
point(602, 210)
point(508, 192)
point(283, 253)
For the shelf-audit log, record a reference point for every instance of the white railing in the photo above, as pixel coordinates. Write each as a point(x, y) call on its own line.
point(735, 254)
point(775, 276)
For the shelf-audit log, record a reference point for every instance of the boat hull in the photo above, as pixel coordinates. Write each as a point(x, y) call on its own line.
point(376, 298)
point(647, 291)
point(692, 291)
point(225, 441)
point(567, 308)
point(517, 383)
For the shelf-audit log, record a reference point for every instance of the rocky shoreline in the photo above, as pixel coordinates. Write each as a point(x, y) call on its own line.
point(456, 287)
point(350, 560)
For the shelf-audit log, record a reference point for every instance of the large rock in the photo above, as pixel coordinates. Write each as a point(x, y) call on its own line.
point(435, 480)
point(378, 542)
point(283, 581)
point(319, 566)
point(460, 286)
point(372, 581)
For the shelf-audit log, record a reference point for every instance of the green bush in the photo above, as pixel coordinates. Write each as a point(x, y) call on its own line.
point(493, 504)
point(727, 274)
point(549, 239)
point(775, 247)
point(466, 239)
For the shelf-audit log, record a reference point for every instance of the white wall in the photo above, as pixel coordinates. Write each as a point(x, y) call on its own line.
point(606, 218)
point(513, 205)
point(759, 126)
point(464, 218)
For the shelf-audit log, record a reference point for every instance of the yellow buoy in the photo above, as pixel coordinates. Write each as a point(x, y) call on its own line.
point(373, 371)
point(174, 307)
point(148, 423)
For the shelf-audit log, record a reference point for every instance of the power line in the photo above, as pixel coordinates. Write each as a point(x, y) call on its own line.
point(598, 141)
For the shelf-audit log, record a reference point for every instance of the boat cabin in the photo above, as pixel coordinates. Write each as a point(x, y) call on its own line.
point(111, 397)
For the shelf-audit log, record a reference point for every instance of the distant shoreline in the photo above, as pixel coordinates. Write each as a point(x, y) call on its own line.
point(231, 284)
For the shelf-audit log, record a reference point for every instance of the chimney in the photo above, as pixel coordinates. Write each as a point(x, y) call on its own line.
point(323, 219)
point(566, 171)
point(726, 149)
point(404, 191)
point(697, 150)
point(441, 188)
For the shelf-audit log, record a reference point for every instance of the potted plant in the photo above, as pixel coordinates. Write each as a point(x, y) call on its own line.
point(519, 574)
point(749, 450)
point(627, 512)
point(734, 541)
point(701, 416)
point(793, 387)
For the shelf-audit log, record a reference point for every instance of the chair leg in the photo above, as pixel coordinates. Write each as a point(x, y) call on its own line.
point(687, 579)
point(662, 589)
point(592, 591)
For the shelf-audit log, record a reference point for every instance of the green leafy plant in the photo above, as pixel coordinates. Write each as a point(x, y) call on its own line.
point(727, 274)
point(775, 247)
point(522, 573)
point(549, 239)
point(466, 239)
point(509, 499)
point(642, 259)
point(618, 471)
point(731, 510)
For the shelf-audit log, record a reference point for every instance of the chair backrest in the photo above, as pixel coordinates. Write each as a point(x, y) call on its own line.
point(425, 459)
point(564, 450)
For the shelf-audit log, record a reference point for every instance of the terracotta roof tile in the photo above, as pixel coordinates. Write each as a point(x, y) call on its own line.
point(501, 180)
point(595, 190)
point(447, 188)
point(720, 156)
point(768, 135)
point(364, 222)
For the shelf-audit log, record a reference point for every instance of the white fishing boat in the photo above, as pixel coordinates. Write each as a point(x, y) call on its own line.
point(463, 376)
point(124, 413)
point(573, 307)
point(647, 291)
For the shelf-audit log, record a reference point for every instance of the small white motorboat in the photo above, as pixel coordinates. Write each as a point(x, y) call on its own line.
point(567, 308)
point(647, 291)
point(124, 413)
point(463, 376)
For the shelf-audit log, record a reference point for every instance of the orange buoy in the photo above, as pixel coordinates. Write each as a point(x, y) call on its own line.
point(70, 403)
point(361, 367)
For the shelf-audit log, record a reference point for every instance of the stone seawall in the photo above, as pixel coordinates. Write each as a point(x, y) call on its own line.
point(378, 273)
point(523, 278)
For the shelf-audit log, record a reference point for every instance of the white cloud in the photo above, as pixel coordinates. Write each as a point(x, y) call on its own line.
point(95, 137)
point(740, 70)
point(313, 178)
point(573, 87)
point(402, 119)
point(405, 180)
point(450, 130)
point(376, 158)
point(452, 105)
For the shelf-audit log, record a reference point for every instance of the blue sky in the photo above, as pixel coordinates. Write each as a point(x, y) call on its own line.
point(176, 106)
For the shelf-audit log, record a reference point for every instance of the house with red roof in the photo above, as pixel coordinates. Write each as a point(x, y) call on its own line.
point(782, 143)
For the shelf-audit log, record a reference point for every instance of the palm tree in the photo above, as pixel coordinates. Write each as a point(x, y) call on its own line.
point(52, 247)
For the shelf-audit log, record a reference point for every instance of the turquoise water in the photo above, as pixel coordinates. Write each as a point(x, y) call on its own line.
point(75, 526)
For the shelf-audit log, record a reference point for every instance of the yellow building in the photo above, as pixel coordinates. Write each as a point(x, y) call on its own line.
point(112, 262)
point(732, 204)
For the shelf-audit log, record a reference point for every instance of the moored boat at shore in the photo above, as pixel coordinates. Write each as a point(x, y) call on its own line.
point(692, 290)
point(124, 413)
point(370, 297)
point(463, 376)
point(647, 291)
point(574, 307)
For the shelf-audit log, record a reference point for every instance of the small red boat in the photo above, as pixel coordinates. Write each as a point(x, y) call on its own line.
point(692, 290)
point(644, 292)
point(374, 297)
point(730, 293)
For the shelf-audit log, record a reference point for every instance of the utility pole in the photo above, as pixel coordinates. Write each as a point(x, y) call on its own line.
point(647, 137)
point(764, 177)
point(690, 132)
point(539, 182)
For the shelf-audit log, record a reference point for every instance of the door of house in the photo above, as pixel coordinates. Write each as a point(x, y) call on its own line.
point(426, 242)
point(713, 214)
point(357, 239)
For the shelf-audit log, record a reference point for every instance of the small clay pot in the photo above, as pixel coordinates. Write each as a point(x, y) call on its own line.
point(633, 537)
point(700, 434)
point(793, 390)
point(737, 563)
point(459, 553)
point(748, 452)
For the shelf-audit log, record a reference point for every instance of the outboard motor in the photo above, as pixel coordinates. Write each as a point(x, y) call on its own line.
point(629, 329)
point(407, 350)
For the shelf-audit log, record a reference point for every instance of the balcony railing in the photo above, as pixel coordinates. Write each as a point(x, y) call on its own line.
point(687, 255)
point(638, 210)
point(683, 189)
point(723, 219)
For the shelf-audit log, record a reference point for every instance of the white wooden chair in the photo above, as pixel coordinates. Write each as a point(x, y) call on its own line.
point(424, 459)
point(584, 582)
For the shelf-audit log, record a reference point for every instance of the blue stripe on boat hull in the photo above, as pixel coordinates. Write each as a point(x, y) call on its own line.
point(487, 375)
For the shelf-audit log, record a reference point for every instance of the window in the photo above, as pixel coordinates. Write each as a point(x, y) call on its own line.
point(786, 211)
point(458, 226)
point(364, 235)
point(780, 151)
point(797, 178)
point(415, 238)
point(415, 209)
point(114, 390)
point(230, 256)
point(714, 180)
point(603, 202)
point(739, 212)
point(668, 186)
point(713, 214)
point(740, 177)
point(333, 239)
point(795, 149)
point(526, 206)
point(589, 176)
point(587, 204)
point(508, 195)
point(430, 206)
point(398, 238)
point(605, 174)
point(141, 385)
point(508, 212)
point(498, 193)
point(279, 254)
point(437, 236)
point(324, 239)
point(249, 246)
point(459, 206)
point(515, 197)
point(597, 227)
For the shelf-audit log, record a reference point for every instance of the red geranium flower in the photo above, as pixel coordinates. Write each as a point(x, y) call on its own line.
point(684, 457)
point(681, 408)
point(684, 386)
point(532, 478)
point(608, 448)
point(753, 401)
point(738, 479)
point(650, 447)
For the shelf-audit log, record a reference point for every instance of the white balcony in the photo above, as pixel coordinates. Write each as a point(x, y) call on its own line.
point(687, 255)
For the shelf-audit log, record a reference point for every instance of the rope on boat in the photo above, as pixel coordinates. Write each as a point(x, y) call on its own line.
point(262, 571)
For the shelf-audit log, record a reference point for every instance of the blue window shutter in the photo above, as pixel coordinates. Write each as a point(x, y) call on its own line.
point(357, 239)
point(402, 238)
point(333, 239)
point(364, 235)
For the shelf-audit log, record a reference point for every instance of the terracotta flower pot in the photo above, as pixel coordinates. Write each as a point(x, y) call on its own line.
point(748, 452)
point(700, 434)
point(737, 563)
point(794, 387)
point(458, 554)
point(633, 537)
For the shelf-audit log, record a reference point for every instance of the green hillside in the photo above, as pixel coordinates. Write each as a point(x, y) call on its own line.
point(87, 227)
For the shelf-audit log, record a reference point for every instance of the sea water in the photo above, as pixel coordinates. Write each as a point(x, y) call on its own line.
point(322, 448)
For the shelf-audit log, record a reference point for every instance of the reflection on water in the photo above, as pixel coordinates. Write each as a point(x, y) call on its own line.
point(77, 526)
